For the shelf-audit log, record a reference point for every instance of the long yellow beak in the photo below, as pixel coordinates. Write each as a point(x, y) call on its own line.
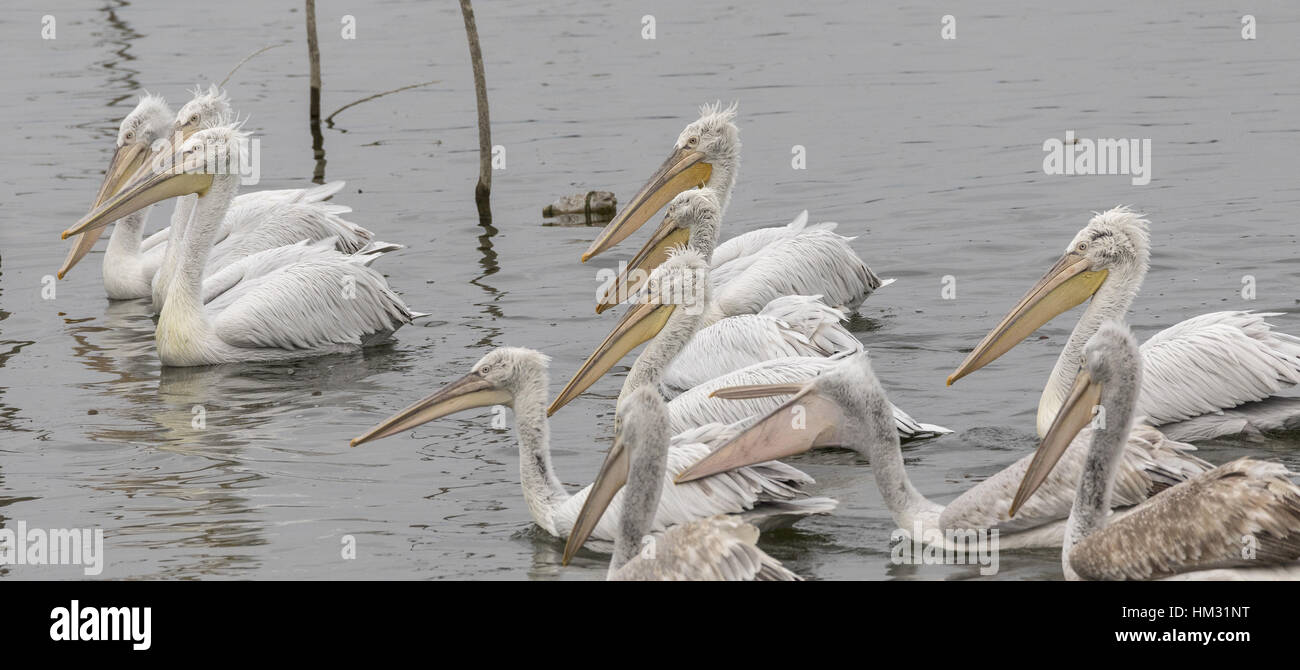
point(166, 181)
point(468, 392)
point(611, 478)
point(127, 160)
point(651, 256)
point(1067, 284)
point(642, 322)
point(1074, 415)
point(807, 420)
point(684, 169)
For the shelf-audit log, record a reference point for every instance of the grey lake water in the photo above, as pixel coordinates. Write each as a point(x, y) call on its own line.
point(930, 151)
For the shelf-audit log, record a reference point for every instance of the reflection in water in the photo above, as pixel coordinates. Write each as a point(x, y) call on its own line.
point(488, 261)
point(122, 80)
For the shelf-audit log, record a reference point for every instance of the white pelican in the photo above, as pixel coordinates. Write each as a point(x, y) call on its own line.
point(846, 407)
point(327, 305)
point(130, 260)
point(258, 221)
point(518, 378)
point(731, 335)
point(716, 548)
point(131, 264)
point(667, 311)
point(1198, 367)
point(755, 267)
point(1240, 520)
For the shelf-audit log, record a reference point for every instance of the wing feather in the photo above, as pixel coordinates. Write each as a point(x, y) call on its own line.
point(1214, 362)
point(1241, 514)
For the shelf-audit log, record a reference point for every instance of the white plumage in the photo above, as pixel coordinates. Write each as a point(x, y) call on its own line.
point(324, 304)
point(1195, 369)
point(845, 406)
point(717, 549)
point(1237, 518)
point(517, 377)
point(790, 326)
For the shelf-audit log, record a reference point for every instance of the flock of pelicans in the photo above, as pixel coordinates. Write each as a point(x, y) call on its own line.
point(747, 361)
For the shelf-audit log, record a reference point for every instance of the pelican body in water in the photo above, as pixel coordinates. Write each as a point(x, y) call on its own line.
point(1194, 369)
point(755, 267)
point(846, 407)
point(716, 548)
point(769, 493)
point(1240, 520)
point(322, 306)
point(668, 312)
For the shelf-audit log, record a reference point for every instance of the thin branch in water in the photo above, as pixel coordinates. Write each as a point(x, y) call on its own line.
point(329, 120)
point(313, 56)
point(246, 59)
point(483, 191)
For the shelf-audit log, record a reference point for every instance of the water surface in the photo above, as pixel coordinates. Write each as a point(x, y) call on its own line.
point(929, 151)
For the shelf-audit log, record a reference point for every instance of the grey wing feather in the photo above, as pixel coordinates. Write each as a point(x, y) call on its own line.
point(733, 492)
point(694, 406)
point(1241, 514)
point(1151, 463)
point(1213, 362)
point(819, 262)
point(312, 304)
point(713, 549)
point(740, 341)
point(287, 223)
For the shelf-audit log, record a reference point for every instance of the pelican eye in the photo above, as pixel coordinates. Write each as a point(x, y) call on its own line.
point(693, 141)
point(1083, 246)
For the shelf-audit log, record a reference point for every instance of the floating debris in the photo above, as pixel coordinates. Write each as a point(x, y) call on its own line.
point(582, 208)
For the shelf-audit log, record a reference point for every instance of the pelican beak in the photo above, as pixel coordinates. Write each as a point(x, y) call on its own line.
point(651, 256)
point(684, 169)
point(807, 420)
point(171, 179)
point(127, 160)
point(468, 392)
point(612, 477)
point(642, 322)
point(1076, 413)
point(1067, 284)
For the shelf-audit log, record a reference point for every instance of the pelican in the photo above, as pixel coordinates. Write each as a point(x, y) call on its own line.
point(730, 335)
point(313, 308)
point(255, 222)
point(132, 264)
point(518, 378)
point(668, 311)
point(847, 407)
point(130, 260)
point(1240, 520)
point(717, 548)
point(755, 267)
point(1199, 367)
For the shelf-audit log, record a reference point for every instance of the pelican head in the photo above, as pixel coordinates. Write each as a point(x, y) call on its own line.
point(841, 407)
point(1114, 242)
point(209, 159)
point(207, 109)
point(673, 300)
point(691, 219)
point(641, 433)
point(1104, 394)
point(144, 125)
point(705, 154)
point(496, 379)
